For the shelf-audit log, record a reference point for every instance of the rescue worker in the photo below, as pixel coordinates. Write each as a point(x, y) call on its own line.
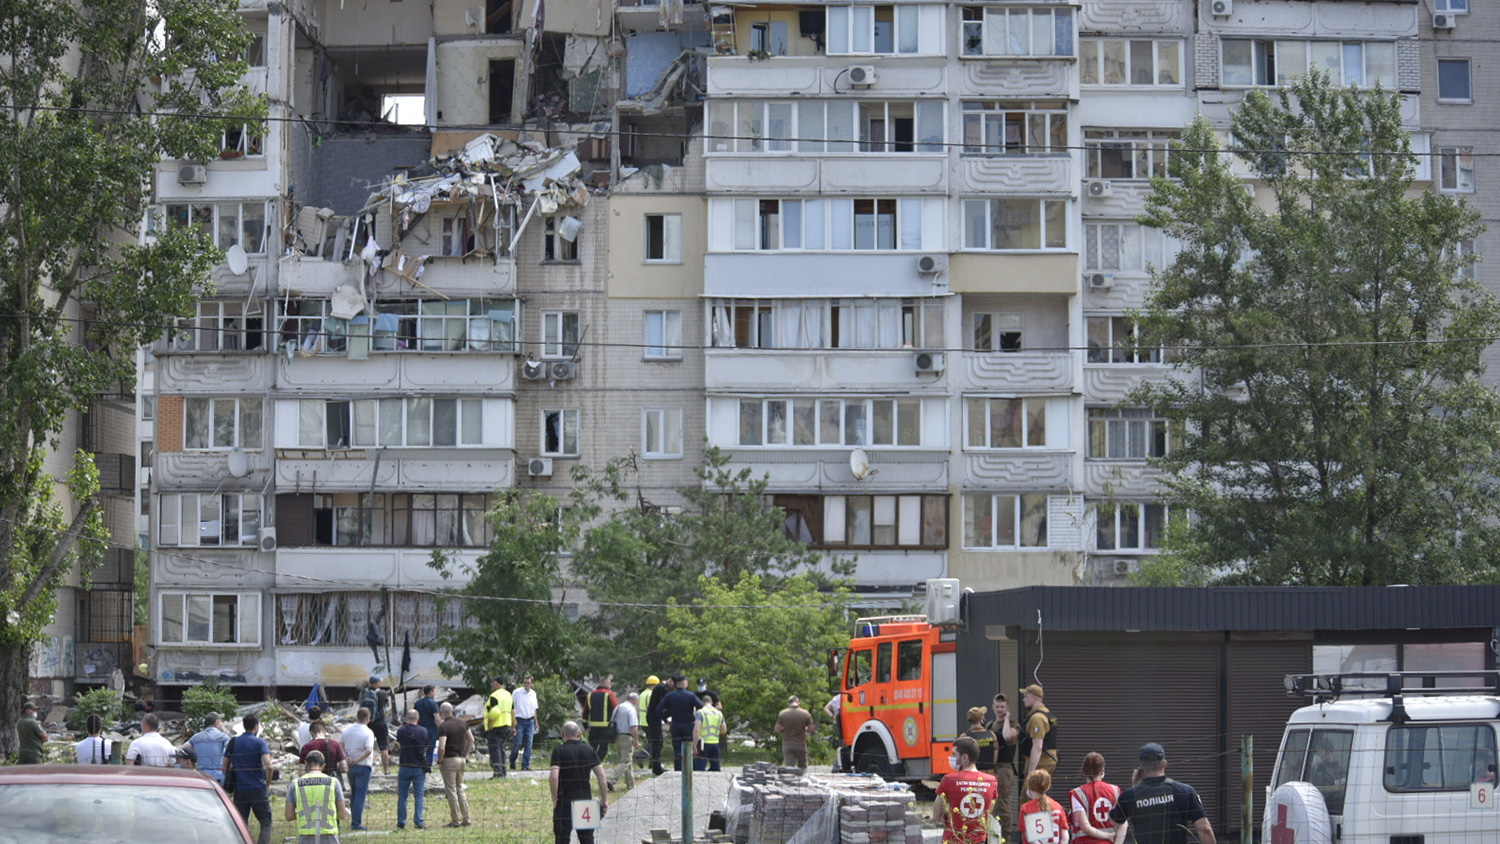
point(315, 801)
point(1039, 732)
point(709, 731)
point(655, 716)
point(644, 712)
point(965, 797)
point(498, 721)
point(601, 707)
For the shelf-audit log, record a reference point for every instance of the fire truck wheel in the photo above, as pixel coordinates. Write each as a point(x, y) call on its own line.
point(870, 759)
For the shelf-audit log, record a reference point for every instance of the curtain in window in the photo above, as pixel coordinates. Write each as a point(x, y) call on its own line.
point(288, 605)
point(423, 520)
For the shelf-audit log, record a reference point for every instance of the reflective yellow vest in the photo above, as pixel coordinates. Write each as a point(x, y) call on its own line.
point(645, 708)
point(713, 723)
point(498, 712)
point(317, 814)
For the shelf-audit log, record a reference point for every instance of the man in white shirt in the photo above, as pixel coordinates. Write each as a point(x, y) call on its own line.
point(151, 748)
point(627, 725)
point(359, 747)
point(523, 707)
point(304, 728)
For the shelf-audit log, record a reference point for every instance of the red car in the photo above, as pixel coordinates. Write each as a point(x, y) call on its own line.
point(47, 804)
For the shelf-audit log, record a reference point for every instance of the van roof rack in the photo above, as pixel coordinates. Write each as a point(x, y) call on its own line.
point(1396, 683)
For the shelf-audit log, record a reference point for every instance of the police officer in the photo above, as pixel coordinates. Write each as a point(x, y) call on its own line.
point(315, 801)
point(1160, 810)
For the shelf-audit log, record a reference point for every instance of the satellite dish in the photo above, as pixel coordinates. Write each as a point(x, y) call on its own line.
point(237, 260)
point(859, 463)
point(239, 464)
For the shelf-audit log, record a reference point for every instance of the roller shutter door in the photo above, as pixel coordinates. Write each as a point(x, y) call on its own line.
point(1259, 706)
point(1113, 692)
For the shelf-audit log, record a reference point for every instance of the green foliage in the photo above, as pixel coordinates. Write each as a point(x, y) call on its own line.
point(208, 696)
point(758, 645)
point(639, 557)
point(1334, 427)
point(526, 630)
point(81, 159)
point(554, 702)
point(104, 702)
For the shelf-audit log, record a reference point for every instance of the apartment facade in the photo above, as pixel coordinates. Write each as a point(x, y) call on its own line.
point(883, 254)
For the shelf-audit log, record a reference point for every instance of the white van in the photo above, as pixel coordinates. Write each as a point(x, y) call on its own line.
point(1417, 766)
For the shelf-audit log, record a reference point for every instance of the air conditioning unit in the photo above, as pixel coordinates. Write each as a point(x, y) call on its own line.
point(862, 75)
point(539, 467)
point(1099, 281)
point(1444, 21)
point(1221, 8)
point(932, 264)
point(929, 361)
point(1099, 188)
point(563, 370)
point(1124, 566)
point(533, 370)
point(192, 174)
point(268, 539)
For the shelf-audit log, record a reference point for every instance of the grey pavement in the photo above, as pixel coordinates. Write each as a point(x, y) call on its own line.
point(656, 803)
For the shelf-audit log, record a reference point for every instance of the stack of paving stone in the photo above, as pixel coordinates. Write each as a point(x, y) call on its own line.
point(892, 819)
point(777, 802)
point(781, 809)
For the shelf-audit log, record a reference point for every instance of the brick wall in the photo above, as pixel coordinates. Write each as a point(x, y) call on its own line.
point(1409, 64)
point(1206, 60)
point(168, 423)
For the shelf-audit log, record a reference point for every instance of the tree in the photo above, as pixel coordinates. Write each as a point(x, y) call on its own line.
point(1333, 426)
point(78, 154)
point(639, 556)
point(514, 624)
point(757, 645)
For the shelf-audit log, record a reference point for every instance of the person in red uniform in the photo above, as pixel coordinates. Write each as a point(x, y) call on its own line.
point(964, 797)
point(1092, 801)
point(1043, 820)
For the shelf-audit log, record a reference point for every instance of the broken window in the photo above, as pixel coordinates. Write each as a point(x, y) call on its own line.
point(338, 619)
point(207, 618)
point(502, 87)
point(241, 140)
point(222, 326)
point(560, 238)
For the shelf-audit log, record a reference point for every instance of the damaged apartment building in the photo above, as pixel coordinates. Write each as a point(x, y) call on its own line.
point(416, 310)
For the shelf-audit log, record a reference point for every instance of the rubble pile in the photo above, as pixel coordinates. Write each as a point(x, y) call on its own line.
point(774, 805)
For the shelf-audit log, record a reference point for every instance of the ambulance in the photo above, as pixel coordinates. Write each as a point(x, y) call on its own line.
point(1400, 758)
point(898, 690)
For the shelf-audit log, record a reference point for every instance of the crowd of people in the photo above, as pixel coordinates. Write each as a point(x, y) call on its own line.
point(974, 802)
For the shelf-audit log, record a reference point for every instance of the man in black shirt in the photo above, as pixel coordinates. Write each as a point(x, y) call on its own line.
point(412, 775)
point(654, 715)
point(1160, 810)
point(572, 763)
point(682, 707)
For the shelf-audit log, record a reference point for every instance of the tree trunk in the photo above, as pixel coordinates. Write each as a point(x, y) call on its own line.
point(15, 686)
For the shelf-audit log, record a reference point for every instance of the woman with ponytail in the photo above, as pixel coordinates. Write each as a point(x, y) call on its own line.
point(1043, 820)
point(94, 750)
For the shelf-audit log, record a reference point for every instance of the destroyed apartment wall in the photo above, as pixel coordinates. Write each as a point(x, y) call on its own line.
point(781, 31)
point(649, 55)
point(569, 17)
point(480, 81)
point(348, 24)
point(345, 168)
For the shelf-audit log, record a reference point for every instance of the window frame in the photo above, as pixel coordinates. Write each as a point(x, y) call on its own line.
point(247, 621)
point(1151, 246)
point(827, 127)
point(826, 225)
point(1439, 729)
point(174, 507)
point(1023, 405)
point(857, 33)
point(997, 330)
point(1096, 47)
point(669, 327)
point(1144, 514)
point(569, 421)
point(774, 422)
point(658, 447)
point(991, 205)
point(245, 408)
point(1450, 164)
point(190, 213)
point(1018, 515)
point(217, 324)
point(556, 344)
point(981, 114)
point(1468, 80)
point(1157, 435)
point(557, 249)
point(1153, 150)
point(810, 517)
point(667, 240)
point(986, 15)
point(1119, 344)
point(374, 418)
point(1266, 60)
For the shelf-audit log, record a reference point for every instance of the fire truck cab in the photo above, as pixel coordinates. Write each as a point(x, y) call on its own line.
point(896, 681)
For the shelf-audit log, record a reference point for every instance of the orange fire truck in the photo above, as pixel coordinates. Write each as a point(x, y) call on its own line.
point(898, 715)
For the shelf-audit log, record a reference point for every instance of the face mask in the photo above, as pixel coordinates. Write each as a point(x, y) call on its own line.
point(953, 762)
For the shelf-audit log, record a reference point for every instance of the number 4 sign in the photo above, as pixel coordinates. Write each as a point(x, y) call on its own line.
point(585, 814)
point(1482, 795)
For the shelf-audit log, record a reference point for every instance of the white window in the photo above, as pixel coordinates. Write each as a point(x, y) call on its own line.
point(209, 618)
point(881, 30)
point(842, 323)
point(1131, 525)
point(819, 126)
point(992, 128)
point(997, 332)
point(241, 140)
point(1128, 433)
point(223, 326)
point(228, 223)
point(559, 334)
point(209, 520)
point(1456, 169)
point(1463, 251)
point(1451, 7)
point(1115, 339)
point(1453, 81)
point(664, 238)
point(864, 225)
point(1011, 31)
point(830, 422)
point(559, 238)
point(663, 335)
point(1031, 224)
point(560, 432)
point(221, 423)
point(866, 521)
point(1129, 247)
point(395, 422)
point(1007, 422)
point(1005, 521)
point(661, 432)
point(1137, 61)
point(1127, 153)
point(1259, 62)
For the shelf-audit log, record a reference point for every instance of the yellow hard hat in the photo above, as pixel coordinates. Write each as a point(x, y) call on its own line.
point(652, 680)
